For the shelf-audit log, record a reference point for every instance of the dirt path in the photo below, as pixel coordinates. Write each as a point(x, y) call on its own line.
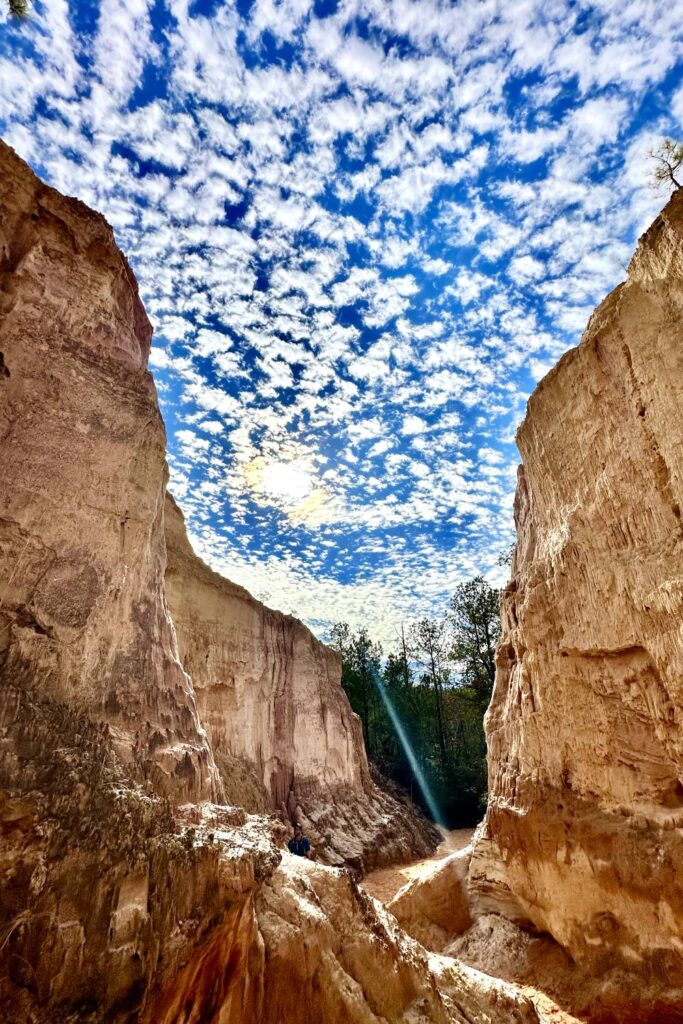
point(384, 883)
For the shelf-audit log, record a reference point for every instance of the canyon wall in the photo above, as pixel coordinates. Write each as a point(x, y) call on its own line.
point(266, 689)
point(280, 726)
point(584, 831)
point(574, 877)
point(82, 617)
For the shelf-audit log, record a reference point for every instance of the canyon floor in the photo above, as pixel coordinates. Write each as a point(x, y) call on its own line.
point(499, 949)
point(384, 883)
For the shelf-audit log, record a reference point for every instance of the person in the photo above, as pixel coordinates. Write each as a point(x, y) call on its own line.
point(299, 844)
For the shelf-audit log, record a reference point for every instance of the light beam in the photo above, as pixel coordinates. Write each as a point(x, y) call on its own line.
point(405, 743)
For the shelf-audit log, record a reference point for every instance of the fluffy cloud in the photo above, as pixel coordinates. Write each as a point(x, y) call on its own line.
point(363, 230)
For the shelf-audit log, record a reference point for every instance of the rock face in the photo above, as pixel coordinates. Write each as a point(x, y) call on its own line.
point(357, 966)
point(82, 617)
point(435, 906)
point(312, 945)
point(267, 691)
point(279, 724)
point(584, 831)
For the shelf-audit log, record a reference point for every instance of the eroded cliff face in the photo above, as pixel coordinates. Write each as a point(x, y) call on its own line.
point(267, 690)
point(82, 617)
point(583, 835)
point(281, 728)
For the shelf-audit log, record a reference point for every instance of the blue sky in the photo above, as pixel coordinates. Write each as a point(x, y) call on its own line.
point(363, 230)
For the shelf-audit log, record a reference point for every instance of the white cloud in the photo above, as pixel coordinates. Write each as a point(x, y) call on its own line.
point(358, 255)
point(413, 425)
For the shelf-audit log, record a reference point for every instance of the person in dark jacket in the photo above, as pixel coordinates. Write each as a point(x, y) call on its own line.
point(299, 844)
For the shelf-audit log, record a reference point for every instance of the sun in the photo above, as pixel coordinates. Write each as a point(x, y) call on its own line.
point(287, 482)
point(292, 485)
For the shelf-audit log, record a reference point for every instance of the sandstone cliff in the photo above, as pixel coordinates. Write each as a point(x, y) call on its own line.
point(267, 690)
point(279, 724)
point(583, 838)
point(82, 617)
point(584, 729)
point(125, 894)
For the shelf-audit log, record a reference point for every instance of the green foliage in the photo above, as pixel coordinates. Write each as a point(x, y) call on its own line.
point(439, 681)
point(361, 662)
point(19, 8)
point(668, 165)
point(474, 617)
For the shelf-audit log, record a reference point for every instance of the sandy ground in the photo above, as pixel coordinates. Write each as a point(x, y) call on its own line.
point(384, 883)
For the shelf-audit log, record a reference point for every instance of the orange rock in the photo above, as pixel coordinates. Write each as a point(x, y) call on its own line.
point(583, 835)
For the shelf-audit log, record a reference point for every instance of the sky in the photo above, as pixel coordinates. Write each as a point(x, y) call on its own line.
point(363, 230)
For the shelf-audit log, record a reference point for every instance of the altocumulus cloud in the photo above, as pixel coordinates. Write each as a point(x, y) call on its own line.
point(362, 229)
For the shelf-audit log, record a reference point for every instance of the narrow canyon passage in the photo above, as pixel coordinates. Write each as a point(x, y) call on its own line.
point(499, 949)
point(384, 883)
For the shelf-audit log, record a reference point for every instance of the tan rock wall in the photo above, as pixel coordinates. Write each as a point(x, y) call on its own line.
point(82, 554)
point(266, 689)
point(435, 906)
point(282, 730)
point(311, 945)
point(583, 833)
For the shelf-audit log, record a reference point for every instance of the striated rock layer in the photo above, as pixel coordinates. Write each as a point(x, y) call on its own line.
point(280, 726)
point(82, 616)
point(584, 832)
point(127, 893)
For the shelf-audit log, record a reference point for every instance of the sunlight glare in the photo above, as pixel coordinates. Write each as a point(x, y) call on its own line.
point(288, 482)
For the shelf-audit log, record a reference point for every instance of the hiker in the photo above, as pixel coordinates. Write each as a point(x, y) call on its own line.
point(299, 844)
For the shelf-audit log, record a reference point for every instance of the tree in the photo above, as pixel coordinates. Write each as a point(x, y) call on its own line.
point(340, 639)
point(506, 558)
point(668, 158)
point(411, 700)
point(403, 655)
point(429, 646)
point(474, 618)
point(19, 8)
point(366, 659)
point(361, 664)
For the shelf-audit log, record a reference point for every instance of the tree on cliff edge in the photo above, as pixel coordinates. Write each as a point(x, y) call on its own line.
point(19, 8)
point(668, 159)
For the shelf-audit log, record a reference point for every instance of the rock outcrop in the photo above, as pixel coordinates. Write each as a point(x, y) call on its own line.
point(584, 831)
point(435, 906)
point(574, 878)
point(127, 892)
point(83, 621)
point(312, 945)
point(280, 726)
